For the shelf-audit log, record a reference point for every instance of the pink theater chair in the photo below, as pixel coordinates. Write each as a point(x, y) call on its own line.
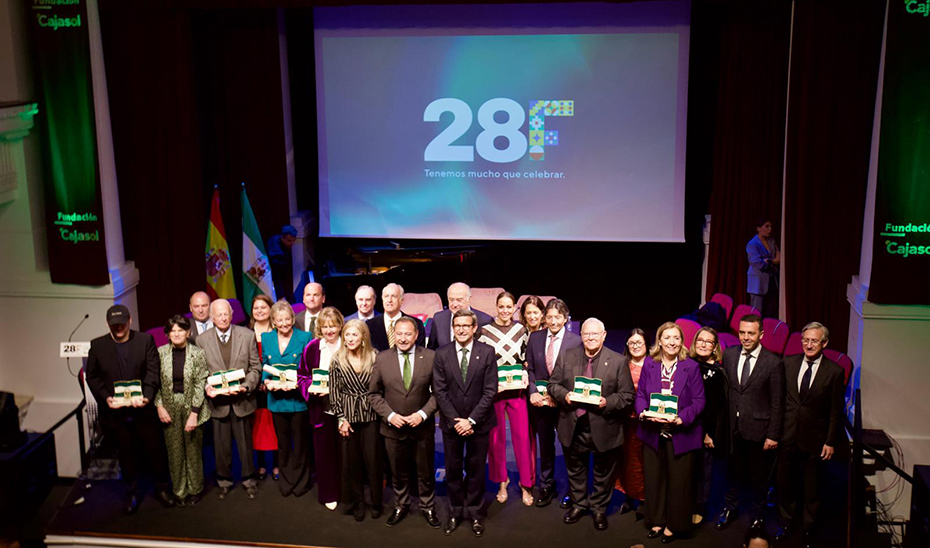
point(689, 329)
point(159, 334)
point(793, 346)
point(776, 335)
point(238, 314)
point(727, 340)
point(741, 311)
point(842, 360)
point(725, 301)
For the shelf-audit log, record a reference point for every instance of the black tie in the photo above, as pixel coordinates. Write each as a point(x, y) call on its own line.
point(744, 374)
point(806, 380)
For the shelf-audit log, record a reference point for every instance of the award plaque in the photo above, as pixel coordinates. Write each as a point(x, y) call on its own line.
point(542, 387)
point(662, 406)
point(511, 377)
point(224, 382)
point(586, 391)
point(320, 384)
point(127, 393)
point(281, 376)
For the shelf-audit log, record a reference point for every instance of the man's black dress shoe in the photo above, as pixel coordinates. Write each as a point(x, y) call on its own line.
point(376, 511)
point(359, 511)
point(545, 497)
point(668, 539)
point(600, 521)
point(431, 518)
point(165, 498)
point(451, 525)
point(566, 502)
point(758, 523)
point(399, 513)
point(251, 492)
point(477, 528)
point(574, 514)
point(222, 492)
point(132, 505)
point(724, 519)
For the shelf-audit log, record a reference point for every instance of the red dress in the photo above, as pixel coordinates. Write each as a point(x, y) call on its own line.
point(263, 436)
point(631, 479)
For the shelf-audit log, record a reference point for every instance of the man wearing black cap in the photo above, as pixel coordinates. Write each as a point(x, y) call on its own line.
point(125, 355)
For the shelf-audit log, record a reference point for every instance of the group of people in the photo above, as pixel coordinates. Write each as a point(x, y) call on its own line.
point(370, 389)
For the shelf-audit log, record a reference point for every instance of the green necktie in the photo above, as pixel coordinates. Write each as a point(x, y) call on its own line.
point(312, 325)
point(464, 364)
point(407, 372)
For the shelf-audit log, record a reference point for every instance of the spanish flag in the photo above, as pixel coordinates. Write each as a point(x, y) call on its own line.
point(220, 284)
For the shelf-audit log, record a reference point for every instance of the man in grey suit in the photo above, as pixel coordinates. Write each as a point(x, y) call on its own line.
point(400, 392)
point(365, 300)
point(314, 298)
point(440, 325)
point(814, 408)
point(591, 429)
point(757, 410)
point(200, 314)
point(230, 346)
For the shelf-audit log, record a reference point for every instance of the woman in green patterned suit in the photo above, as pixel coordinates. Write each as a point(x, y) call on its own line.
point(180, 405)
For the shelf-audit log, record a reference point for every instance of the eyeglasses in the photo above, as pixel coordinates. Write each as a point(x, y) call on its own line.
point(704, 342)
point(591, 335)
point(811, 342)
point(459, 327)
point(635, 344)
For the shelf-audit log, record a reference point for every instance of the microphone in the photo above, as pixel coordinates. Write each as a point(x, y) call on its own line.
point(80, 323)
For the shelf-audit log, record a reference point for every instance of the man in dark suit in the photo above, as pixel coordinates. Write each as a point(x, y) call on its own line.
point(814, 406)
point(757, 409)
point(364, 303)
point(381, 327)
point(401, 393)
point(125, 355)
point(465, 383)
point(586, 429)
point(200, 314)
point(542, 351)
point(314, 297)
point(440, 325)
point(230, 346)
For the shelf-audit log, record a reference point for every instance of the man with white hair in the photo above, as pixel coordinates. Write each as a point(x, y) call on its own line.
point(591, 429)
point(440, 326)
point(381, 327)
point(365, 300)
point(230, 346)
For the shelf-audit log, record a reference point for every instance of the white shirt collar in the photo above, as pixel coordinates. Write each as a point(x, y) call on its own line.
point(558, 335)
point(458, 347)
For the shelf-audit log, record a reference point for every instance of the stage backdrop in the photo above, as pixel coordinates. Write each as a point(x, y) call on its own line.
point(901, 249)
point(73, 208)
point(470, 122)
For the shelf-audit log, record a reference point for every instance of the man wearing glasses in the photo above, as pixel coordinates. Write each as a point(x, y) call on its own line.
point(465, 384)
point(814, 404)
point(586, 429)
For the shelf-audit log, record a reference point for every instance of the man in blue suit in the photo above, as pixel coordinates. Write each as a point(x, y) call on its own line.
point(440, 326)
point(465, 384)
point(543, 349)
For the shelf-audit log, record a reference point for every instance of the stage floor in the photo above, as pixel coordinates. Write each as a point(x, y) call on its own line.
point(274, 520)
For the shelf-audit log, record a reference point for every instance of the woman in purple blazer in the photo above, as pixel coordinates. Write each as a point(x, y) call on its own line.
point(669, 447)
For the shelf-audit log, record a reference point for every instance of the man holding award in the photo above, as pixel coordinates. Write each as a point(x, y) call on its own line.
point(592, 385)
point(127, 362)
point(235, 370)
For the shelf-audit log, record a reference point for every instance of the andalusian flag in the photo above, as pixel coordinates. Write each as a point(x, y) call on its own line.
point(220, 283)
point(256, 272)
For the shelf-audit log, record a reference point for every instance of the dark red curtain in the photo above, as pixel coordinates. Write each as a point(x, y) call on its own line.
point(749, 134)
point(834, 75)
point(195, 101)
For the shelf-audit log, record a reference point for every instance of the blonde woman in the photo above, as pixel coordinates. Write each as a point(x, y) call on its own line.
point(361, 445)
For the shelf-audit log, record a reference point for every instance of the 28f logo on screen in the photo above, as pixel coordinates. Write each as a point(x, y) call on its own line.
point(441, 149)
